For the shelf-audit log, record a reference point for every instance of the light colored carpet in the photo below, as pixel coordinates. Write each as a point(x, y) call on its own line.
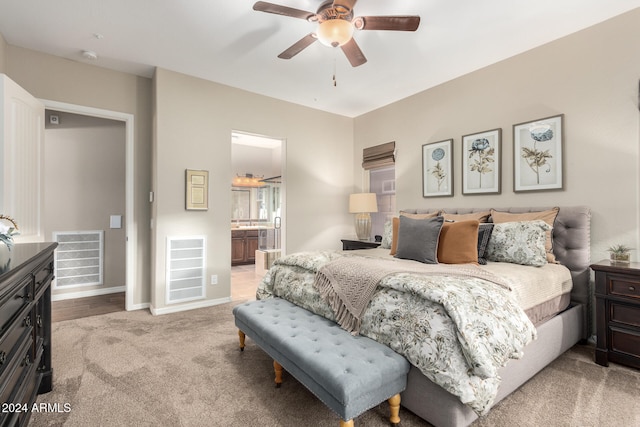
point(185, 369)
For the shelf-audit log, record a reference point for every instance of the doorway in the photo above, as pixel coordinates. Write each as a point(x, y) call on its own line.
point(257, 209)
point(127, 223)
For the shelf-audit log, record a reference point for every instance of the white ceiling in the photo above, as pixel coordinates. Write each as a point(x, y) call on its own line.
point(230, 43)
point(255, 140)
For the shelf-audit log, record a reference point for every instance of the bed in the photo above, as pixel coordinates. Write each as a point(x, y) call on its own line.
point(432, 393)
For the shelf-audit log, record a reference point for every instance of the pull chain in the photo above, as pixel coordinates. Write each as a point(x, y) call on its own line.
point(335, 80)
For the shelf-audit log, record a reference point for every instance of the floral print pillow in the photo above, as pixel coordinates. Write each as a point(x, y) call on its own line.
point(520, 242)
point(387, 236)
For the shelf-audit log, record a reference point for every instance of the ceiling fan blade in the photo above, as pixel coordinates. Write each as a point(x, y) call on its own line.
point(393, 23)
point(353, 53)
point(263, 6)
point(298, 46)
point(345, 4)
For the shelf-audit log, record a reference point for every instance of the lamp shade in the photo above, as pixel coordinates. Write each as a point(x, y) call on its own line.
point(335, 32)
point(363, 202)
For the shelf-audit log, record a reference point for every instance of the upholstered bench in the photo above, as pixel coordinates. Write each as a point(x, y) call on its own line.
point(350, 374)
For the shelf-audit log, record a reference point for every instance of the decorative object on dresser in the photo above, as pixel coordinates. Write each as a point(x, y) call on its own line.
point(617, 313)
point(481, 167)
point(537, 155)
point(437, 169)
point(362, 204)
point(350, 245)
point(7, 231)
point(619, 254)
point(25, 327)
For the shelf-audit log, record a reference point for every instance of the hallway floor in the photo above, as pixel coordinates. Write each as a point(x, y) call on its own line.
point(244, 282)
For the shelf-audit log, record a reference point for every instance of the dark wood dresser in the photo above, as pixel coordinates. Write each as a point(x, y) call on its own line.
point(617, 294)
point(25, 329)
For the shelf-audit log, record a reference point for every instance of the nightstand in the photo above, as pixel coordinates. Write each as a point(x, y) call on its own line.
point(617, 294)
point(349, 245)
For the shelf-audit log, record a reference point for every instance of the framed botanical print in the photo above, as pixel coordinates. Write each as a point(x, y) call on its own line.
point(481, 167)
point(537, 155)
point(437, 169)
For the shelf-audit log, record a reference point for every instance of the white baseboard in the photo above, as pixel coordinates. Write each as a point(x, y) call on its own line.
point(190, 306)
point(141, 306)
point(91, 293)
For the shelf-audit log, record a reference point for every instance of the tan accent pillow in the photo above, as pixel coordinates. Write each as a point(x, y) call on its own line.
point(458, 243)
point(419, 215)
point(395, 225)
point(548, 216)
point(478, 216)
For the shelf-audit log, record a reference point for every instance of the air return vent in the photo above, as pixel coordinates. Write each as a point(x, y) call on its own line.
point(79, 258)
point(185, 268)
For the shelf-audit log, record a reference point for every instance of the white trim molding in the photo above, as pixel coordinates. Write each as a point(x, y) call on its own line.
point(190, 306)
point(131, 226)
point(89, 293)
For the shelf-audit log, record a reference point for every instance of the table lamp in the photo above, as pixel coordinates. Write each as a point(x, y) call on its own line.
point(362, 204)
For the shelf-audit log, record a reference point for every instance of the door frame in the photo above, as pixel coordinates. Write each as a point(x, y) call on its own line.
point(283, 186)
point(130, 224)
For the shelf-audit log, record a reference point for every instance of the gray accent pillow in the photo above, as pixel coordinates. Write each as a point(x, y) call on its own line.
point(484, 234)
point(387, 235)
point(418, 239)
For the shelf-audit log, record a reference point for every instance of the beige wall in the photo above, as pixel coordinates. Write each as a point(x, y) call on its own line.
point(52, 78)
point(194, 120)
point(85, 184)
point(591, 77)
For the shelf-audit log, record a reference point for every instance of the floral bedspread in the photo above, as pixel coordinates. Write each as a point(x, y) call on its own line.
point(457, 330)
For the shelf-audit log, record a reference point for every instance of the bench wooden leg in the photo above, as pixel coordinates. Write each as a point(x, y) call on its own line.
point(242, 336)
point(344, 423)
point(394, 407)
point(278, 369)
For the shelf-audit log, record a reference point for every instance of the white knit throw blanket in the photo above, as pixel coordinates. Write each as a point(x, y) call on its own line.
point(348, 283)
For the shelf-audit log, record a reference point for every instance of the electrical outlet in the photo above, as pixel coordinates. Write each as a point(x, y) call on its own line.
point(214, 279)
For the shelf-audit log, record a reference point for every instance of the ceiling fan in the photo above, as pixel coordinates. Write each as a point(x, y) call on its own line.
point(336, 24)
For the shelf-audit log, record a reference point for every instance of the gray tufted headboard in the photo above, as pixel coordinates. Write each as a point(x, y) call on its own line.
point(571, 241)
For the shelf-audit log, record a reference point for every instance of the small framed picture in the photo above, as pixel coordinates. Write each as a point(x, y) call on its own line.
point(481, 166)
point(437, 169)
point(197, 190)
point(537, 152)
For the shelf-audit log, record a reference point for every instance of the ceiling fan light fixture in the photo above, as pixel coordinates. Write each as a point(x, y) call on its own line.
point(335, 32)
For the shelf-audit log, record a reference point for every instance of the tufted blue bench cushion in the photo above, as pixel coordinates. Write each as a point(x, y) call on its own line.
point(350, 374)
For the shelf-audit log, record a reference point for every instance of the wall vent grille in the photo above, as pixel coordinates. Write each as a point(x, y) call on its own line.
point(79, 258)
point(185, 268)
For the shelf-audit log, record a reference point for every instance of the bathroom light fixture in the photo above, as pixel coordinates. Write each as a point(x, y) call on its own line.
point(362, 204)
point(248, 180)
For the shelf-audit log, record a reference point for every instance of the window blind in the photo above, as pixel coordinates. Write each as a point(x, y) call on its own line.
point(379, 156)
